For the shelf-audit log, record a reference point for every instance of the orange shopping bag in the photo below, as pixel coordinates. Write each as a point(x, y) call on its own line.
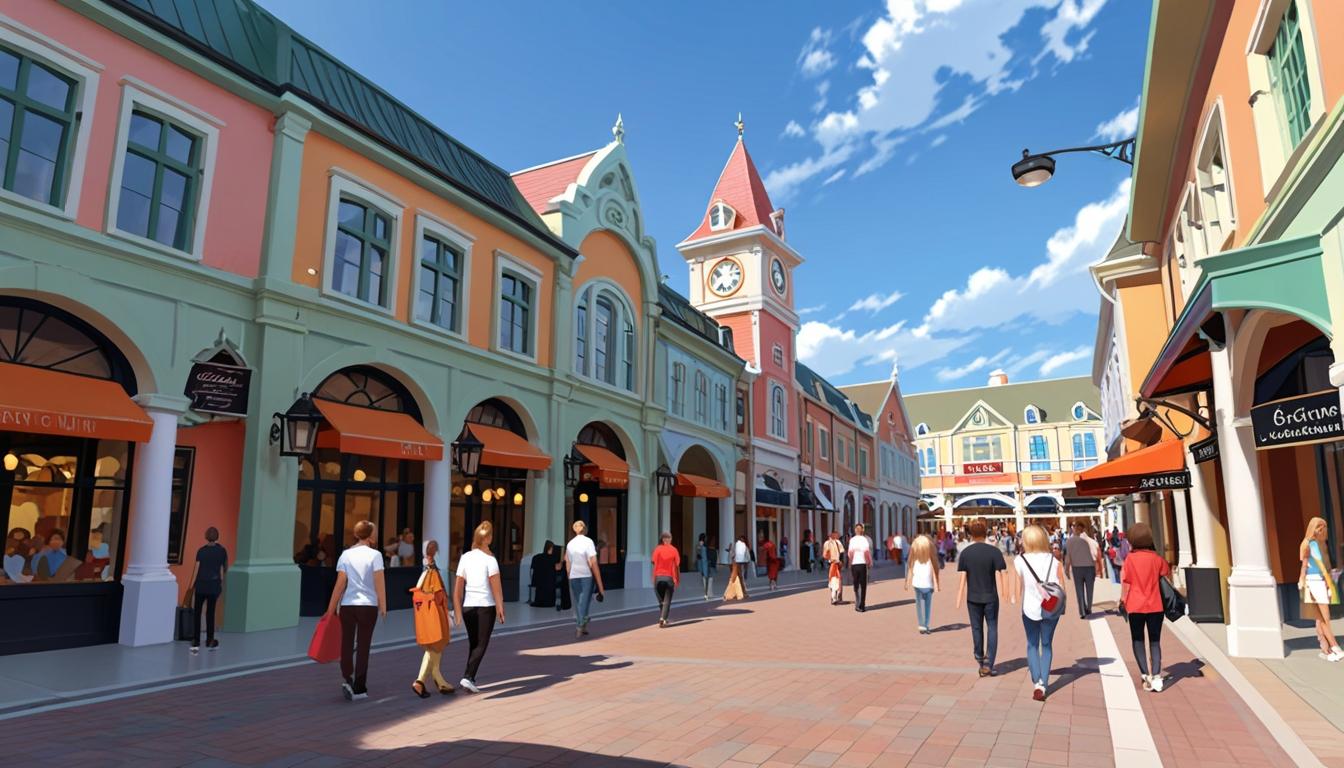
point(431, 615)
point(326, 643)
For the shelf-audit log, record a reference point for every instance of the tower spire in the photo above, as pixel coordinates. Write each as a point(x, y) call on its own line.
point(618, 130)
point(741, 126)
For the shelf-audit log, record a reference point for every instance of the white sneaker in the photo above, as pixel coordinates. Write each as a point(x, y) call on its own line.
point(1157, 683)
point(1147, 683)
point(923, 629)
point(195, 649)
point(469, 685)
point(1336, 654)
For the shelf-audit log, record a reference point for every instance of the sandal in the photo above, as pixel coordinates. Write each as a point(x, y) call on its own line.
point(446, 690)
point(419, 689)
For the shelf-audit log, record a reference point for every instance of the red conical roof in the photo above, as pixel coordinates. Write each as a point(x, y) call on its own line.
point(739, 186)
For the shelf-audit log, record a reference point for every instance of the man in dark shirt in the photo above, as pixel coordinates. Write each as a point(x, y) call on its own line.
point(208, 584)
point(982, 582)
point(1080, 562)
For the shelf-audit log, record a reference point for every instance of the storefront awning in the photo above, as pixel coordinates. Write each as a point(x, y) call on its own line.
point(49, 402)
point(770, 493)
point(824, 497)
point(1158, 467)
point(700, 487)
point(371, 432)
point(603, 467)
point(505, 449)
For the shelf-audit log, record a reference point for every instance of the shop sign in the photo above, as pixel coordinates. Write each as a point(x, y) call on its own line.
point(1301, 420)
point(1042, 478)
point(219, 389)
point(982, 468)
point(1205, 450)
point(1164, 481)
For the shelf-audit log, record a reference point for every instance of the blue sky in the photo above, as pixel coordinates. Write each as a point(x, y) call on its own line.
point(885, 130)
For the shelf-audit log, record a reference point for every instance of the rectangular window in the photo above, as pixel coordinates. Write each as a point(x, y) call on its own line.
point(852, 463)
point(840, 449)
point(676, 397)
point(741, 412)
point(701, 397)
point(37, 128)
point(981, 448)
point(1288, 76)
point(1084, 450)
point(824, 442)
point(628, 356)
point(360, 261)
point(581, 338)
point(439, 298)
point(863, 461)
point(604, 341)
point(777, 354)
point(184, 460)
point(721, 400)
point(515, 313)
point(1040, 454)
point(810, 430)
point(160, 181)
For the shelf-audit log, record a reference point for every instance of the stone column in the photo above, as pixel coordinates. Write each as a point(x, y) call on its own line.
point(1254, 629)
point(1182, 515)
point(147, 606)
point(727, 513)
point(438, 497)
point(640, 511)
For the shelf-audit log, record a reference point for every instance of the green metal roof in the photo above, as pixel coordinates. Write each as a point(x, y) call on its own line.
point(678, 308)
point(242, 36)
point(1055, 397)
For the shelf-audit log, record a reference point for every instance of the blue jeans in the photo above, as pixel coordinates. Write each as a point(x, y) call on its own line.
point(582, 589)
point(923, 603)
point(984, 631)
point(1040, 635)
point(1115, 571)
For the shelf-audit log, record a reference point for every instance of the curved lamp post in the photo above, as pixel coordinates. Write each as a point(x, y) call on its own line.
point(1035, 170)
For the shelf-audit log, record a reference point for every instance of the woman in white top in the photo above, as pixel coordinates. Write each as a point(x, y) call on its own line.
point(1037, 562)
point(478, 598)
point(923, 576)
point(361, 596)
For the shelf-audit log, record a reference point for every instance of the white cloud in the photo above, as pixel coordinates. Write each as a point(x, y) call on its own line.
point(875, 302)
point(1073, 15)
point(834, 177)
point(793, 130)
point(815, 58)
point(1064, 358)
point(783, 182)
point(1120, 127)
point(823, 88)
point(805, 311)
point(1019, 364)
point(938, 140)
point(833, 351)
point(980, 362)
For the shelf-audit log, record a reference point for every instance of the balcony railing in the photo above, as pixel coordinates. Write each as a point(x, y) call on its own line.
point(997, 468)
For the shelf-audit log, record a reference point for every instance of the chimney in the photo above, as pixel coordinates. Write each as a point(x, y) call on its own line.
point(998, 377)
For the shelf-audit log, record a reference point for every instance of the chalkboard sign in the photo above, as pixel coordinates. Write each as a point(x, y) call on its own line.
point(219, 389)
point(1205, 450)
point(1301, 420)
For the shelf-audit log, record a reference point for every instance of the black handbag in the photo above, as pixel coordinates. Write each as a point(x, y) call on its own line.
point(1173, 605)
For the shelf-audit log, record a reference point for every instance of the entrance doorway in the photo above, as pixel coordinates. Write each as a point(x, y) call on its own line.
point(600, 498)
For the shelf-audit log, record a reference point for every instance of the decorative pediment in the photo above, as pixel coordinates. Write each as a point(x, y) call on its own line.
point(981, 416)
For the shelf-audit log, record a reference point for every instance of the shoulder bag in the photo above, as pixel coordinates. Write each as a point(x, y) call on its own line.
point(1173, 605)
point(1052, 604)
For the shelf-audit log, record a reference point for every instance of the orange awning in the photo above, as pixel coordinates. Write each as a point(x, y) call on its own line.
point(53, 403)
point(371, 432)
point(603, 467)
point(1158, 467)
point(700, 487)
point(505, 449)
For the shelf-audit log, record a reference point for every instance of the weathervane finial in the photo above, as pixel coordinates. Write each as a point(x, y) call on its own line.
point(618, 130)
point(741, 126)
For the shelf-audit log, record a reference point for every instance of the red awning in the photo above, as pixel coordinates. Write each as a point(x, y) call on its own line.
point(505, 449)
point(1155, 468)
point(371, 432)
point(49, 402)
point(603, 467)
point(700, 487)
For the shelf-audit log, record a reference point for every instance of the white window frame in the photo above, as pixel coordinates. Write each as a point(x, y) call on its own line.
point(823, 443)
point(427, 224)
point(505, 262)
point(1029, 412)
point(1215, 130)
point(727, 215)
point(921, 429)
point(85, 72)
point(136, 95)
point(676, 388)
point(623, 313)
point(1075, 407)
point(1271, 132)
point(783, 412)
point(701, 394)
point(721, 404)
point(342, 182)
point(777, 354)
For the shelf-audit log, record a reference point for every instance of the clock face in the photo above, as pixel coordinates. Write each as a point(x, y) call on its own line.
point(777, 276)
point(726, 277)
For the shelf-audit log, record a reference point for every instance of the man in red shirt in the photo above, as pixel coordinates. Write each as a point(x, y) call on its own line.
point(666, 574)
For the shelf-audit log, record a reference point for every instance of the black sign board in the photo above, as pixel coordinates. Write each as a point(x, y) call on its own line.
point(1205, 450)
point(1164, 481)
point(218, 388)
point(1301, 420)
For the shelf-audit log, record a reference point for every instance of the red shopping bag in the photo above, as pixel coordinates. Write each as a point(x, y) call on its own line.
point(326, 644)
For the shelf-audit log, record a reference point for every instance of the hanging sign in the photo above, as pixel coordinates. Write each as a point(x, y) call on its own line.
point(1205, 450)
point(219, 389)
point(1300, 420)
point(982, 468)
point(1163, 481)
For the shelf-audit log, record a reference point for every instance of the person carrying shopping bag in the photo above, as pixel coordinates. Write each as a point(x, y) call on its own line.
point(433, 621)
point(359, 599)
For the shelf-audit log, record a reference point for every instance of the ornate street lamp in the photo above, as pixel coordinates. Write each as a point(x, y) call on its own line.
point(572, 466)
point(1034, 170)
point(468, 450)
point(296, 429)
point(665, 477)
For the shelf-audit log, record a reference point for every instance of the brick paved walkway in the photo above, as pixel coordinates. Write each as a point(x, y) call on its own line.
point(775, 681)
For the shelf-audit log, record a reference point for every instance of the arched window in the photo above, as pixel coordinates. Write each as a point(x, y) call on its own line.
point(777, 413)
point(606, 345)
point(721, 216)
point(368, 388)
point(922, 429)
point(1032, 415)
point(1079, 411)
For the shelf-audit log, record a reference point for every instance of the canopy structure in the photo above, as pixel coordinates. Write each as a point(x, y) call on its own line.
point(373, 432)
point(49, 402)
point(1158, 467)
point(603, 467)
point(700, 487)
point(507, 450)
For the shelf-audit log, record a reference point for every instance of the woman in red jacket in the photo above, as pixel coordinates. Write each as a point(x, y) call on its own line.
point(666, 574)
point(1141, 594)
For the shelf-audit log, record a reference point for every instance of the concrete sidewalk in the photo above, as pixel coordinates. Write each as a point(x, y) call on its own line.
point(51, 677)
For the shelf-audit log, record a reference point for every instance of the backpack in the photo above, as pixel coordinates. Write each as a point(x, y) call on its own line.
point(1052, 605)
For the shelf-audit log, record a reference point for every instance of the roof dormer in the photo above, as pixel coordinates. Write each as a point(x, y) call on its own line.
point(721, 216)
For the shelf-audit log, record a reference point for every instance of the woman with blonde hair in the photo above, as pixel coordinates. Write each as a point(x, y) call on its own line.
point(923, 575)
point(430, 588)
point(478, 599)
point(1317, 586)
point(1037, 567)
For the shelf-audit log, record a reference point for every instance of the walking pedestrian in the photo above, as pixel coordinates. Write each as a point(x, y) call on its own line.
point(1122, 550)
point(768, 555)
point(741, 560)
point(805, 552)
point(1080, 561)
point(431, 585)
point(584, 575)
point(1141, 594)
point(1035, 568)
point(544, 576)
point(207, 580)
point(921, 574)
point(666, 574)
point(833, 553)
point(982, 583)
point(1318, 586)
point(860, 559)
point(360, 595)
point(478, 598)
point(706, 561)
